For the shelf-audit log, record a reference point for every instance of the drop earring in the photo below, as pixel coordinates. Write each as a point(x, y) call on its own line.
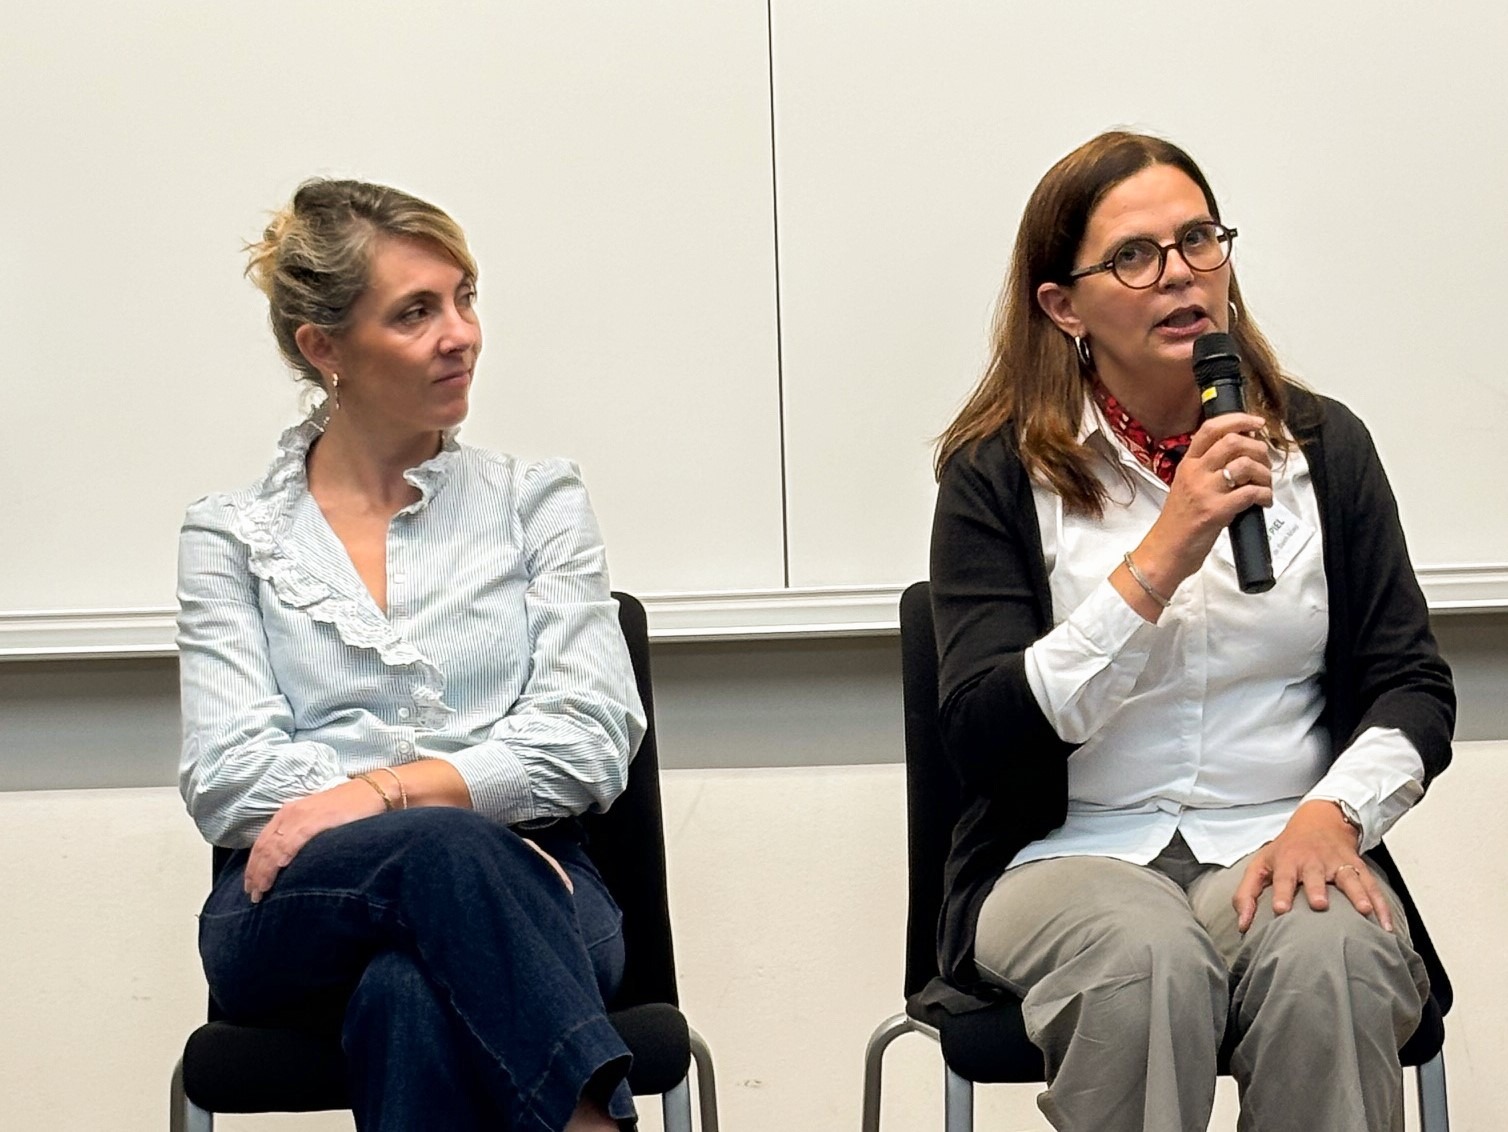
point(335, 391)
point(1081, 347)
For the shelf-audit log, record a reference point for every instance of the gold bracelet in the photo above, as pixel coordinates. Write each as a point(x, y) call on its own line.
point(1141, 580)
point(387, 803)
point(402, 789)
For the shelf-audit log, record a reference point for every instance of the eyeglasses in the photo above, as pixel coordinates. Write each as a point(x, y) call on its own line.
point(1139, 263)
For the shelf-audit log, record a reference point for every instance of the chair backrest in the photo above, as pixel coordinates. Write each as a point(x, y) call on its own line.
point(627, 843)
point(934, 799)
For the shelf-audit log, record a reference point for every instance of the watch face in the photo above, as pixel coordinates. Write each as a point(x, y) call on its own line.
point(1353, 819)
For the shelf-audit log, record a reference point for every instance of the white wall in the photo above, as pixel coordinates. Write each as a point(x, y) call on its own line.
point(788, 925)
point(1353, 145)
point(738, 258)
point(609, 162)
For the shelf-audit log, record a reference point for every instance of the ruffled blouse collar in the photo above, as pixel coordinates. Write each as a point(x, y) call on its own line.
point(290, 468)
point(263, 523)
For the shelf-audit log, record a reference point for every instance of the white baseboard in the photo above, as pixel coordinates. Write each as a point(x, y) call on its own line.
point(737, 615)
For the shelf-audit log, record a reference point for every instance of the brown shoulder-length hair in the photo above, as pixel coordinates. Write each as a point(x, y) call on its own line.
point(1034, 379)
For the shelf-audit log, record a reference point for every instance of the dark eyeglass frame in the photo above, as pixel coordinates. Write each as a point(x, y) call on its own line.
point(1221, 230)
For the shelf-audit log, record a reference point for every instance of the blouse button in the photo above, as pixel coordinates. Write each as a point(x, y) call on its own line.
point(405, 748)
point(403, 713)
point(399, 579)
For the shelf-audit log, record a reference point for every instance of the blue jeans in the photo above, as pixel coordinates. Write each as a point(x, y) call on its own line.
point(466, 983)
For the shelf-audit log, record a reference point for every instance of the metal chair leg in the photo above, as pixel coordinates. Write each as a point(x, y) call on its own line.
point(706, 1082)
point(1430, 1078)
point(874, 1059)
point(183, 1114)
point(958, 1102)
point(676, 1105)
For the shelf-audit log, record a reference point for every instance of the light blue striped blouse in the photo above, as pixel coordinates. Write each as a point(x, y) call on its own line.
point(500, 650)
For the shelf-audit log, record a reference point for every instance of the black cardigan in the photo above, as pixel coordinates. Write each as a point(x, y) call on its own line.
point(991, 600)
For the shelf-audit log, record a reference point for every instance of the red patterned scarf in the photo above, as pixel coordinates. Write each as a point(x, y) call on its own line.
point(1159, 456)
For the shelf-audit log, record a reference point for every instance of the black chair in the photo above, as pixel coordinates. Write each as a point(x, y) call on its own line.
point(245, 1069)
point(986, 1042)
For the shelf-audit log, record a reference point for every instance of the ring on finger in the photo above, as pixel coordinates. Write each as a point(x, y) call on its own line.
point(1230, 480)
point(1343, 868)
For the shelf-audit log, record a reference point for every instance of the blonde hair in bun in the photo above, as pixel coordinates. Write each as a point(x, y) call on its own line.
point(313, 259)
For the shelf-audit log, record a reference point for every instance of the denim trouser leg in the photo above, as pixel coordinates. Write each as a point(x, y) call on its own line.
point(519, 965)
point(397, 1018)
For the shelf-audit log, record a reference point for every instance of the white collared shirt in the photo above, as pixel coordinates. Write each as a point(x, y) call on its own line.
point(1207, 723)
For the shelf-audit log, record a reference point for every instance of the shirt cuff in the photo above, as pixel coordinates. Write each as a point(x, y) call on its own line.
point(1103, 631)
point(1380, 776)
point(496, 780)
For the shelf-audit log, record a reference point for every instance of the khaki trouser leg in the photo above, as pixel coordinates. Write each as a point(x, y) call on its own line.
point(1127, 973)
point(1122, 991)
point(1321, 1003)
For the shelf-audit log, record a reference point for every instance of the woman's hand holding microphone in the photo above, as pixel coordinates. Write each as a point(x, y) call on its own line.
point(1224, 472)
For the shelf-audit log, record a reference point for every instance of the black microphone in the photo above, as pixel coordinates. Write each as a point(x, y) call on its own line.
point(1217, 369)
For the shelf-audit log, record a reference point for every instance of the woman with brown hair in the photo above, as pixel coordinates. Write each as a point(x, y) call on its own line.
point(402, 679)
point(1177, 790)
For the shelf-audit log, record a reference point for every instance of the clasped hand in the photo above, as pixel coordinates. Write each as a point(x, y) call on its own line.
point(1317, 848)
point(296, 822)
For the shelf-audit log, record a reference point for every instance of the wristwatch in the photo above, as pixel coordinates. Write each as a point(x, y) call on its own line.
point(1353, 819)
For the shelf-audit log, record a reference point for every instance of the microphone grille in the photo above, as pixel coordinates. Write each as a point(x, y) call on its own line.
point(1215, 344)
point(1216, 358)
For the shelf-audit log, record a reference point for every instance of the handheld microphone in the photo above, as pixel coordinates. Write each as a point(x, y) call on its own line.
point(1217, 369)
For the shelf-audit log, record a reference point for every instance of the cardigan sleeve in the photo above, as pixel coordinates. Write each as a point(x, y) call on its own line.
point(990, 603)
point(1395, 675)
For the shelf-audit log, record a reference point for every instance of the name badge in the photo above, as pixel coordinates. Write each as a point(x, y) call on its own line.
point(1287, 534)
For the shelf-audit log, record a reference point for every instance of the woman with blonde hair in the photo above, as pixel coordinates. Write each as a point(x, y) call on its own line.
point(402, 680)
point(1176, 790)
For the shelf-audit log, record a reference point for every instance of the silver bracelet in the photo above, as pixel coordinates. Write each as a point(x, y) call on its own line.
point(1141, 580)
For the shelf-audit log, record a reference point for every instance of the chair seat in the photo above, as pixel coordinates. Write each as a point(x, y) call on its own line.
point(274, 1070)
point(290, 1070)
point(657, 1035)
point(987, 1044)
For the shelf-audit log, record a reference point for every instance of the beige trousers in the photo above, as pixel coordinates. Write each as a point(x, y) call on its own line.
point(1130, 974)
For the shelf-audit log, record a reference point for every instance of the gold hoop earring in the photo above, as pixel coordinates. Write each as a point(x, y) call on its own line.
point(1081, 347)
point(335, 390)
